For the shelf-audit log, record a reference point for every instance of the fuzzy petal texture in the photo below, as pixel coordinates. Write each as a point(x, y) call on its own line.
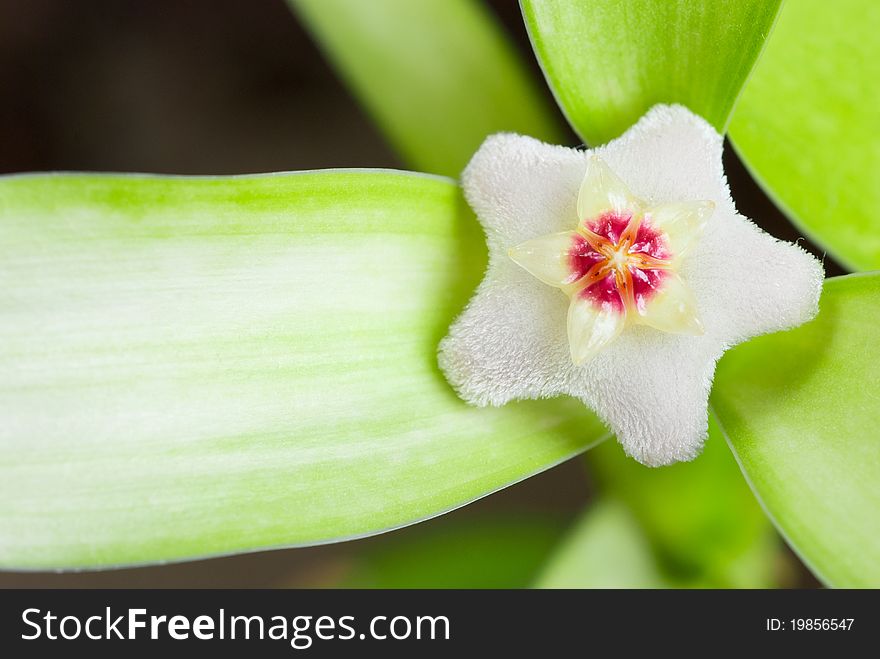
point(649, 386)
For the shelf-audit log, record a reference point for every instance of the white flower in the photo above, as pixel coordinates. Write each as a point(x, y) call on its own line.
point(619, 276)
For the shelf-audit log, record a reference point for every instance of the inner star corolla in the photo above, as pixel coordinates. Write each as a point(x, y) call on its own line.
point(619, 265)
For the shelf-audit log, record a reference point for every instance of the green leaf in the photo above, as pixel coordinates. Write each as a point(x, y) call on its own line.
point(801, 410)
point(486, 552)
point(199, 366)
point(605, 549)
point(806, 125)
point(608, 62)
point(438, 76)
point(700, 517)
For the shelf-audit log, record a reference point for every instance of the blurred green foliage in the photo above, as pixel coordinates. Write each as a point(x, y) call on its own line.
point(700, 517)
point(606, 548)
point(437, 76)
point(487, 552)
point(802, 411)
point(608, 62)
point(808, 124)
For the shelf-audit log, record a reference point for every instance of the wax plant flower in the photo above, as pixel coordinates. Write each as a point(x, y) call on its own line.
point(206, 365)
point(659, 272)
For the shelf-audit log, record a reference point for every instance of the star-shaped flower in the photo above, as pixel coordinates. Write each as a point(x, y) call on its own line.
point(619, 266)
point(659, 275)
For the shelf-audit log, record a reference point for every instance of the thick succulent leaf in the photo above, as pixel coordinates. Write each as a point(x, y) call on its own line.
point(802, 411)
point(807, 124)
point(605, 549)
point(608, 61)
point(700, 517)
point(198, 366)
point(486, 552)
point(438, 76)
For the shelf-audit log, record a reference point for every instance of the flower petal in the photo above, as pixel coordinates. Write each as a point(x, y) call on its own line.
point(591, 327)
point(670, 155)
point(602, 191)
point(683, 223)
point(652, 389)
point(522, 188)
point(551, 259)
point(510, 341)
point(748, 283)
point(672, 308)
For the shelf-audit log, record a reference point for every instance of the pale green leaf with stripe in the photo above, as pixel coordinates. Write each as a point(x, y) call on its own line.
point(438, 76)
point(807, 124)
point(199, 366)
point(801, 410)
point(608, 61)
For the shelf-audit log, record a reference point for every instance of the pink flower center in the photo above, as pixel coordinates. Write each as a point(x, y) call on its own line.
point(619, 261)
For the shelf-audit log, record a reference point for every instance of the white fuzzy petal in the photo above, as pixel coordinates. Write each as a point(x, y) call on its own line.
point(522, 188)
point(510, 342)
point(651, 387)
point(670, 155)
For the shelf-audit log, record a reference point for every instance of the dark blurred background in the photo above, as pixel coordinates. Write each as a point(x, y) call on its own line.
point(225, 87)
